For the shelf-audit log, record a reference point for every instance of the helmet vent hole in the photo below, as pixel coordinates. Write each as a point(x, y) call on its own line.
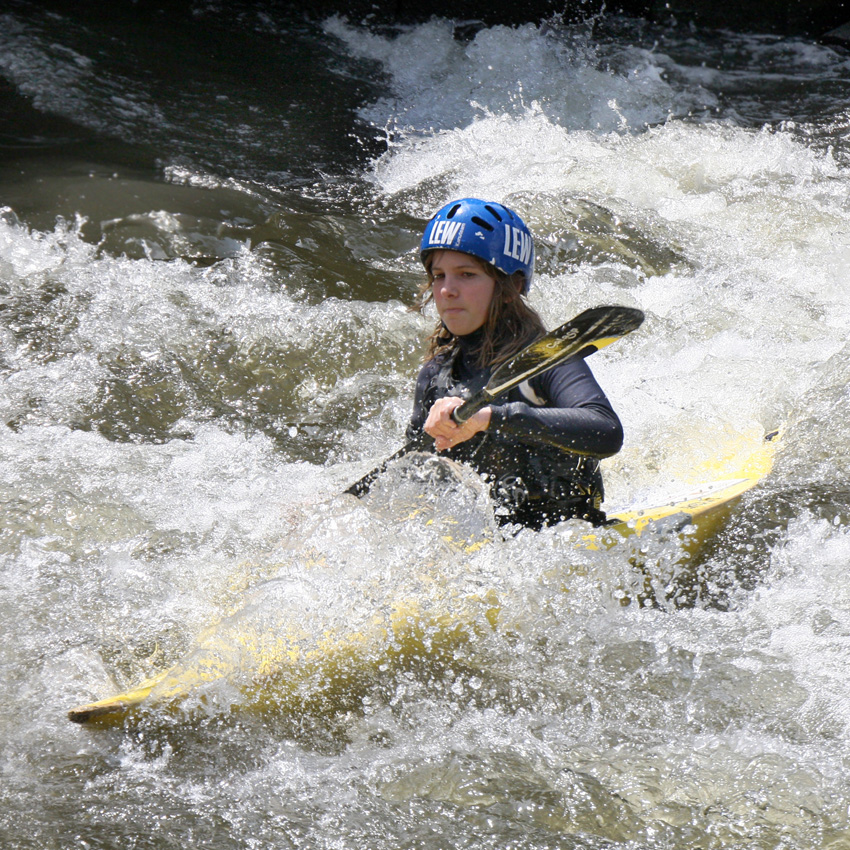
point(481, 223)
point(493, 212)
point(453, 211)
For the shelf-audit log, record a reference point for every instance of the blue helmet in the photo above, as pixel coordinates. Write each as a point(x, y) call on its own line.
point(486, 230)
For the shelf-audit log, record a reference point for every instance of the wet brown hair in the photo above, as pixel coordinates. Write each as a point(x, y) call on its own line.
point(511, 323)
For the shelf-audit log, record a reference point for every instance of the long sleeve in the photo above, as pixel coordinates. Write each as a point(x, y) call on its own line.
point(576, 417)
point(420, 409)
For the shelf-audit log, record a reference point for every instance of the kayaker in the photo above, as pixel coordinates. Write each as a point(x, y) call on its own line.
point(540, 445)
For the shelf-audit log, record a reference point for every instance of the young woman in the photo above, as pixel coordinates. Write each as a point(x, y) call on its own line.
point(539, 445)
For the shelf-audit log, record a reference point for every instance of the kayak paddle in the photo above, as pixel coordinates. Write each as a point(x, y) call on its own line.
point(588, 332)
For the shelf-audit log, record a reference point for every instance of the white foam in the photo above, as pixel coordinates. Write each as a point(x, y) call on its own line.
point(439, 82)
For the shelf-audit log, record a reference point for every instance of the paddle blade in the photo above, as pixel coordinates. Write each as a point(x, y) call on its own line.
point(594, 328)
point(588, 332)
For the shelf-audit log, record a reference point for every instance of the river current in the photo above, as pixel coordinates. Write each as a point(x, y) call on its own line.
point(208, 231)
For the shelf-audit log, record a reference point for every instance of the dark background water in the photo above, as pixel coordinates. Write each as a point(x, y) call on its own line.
point(218, 88)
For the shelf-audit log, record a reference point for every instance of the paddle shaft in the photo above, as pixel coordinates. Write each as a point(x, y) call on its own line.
point(586, 333)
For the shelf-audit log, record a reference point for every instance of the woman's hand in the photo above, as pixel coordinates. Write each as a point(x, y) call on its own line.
point(445, 431)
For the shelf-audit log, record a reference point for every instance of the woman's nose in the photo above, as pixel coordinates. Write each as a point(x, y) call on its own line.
point(449, 285)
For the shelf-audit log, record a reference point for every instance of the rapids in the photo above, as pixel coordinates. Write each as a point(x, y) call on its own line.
point(207, 249)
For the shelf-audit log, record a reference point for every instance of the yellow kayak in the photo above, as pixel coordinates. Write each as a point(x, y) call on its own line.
point(277, 654)
point(698, 515)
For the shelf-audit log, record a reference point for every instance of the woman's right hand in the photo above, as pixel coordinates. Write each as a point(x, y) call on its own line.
point(445, 431)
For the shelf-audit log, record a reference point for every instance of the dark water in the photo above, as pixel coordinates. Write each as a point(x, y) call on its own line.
point(207, 248)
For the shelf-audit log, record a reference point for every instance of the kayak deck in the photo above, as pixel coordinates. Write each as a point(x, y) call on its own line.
point(698, 515)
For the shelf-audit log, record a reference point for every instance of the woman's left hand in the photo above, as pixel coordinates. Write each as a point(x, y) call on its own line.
point(445, 431)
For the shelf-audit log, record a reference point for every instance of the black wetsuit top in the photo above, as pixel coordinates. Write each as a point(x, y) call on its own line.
point(541, 451)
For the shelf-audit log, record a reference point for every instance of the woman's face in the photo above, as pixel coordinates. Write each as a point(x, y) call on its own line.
point(462, 291)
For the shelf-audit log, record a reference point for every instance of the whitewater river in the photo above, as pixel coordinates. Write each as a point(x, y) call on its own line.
point(208, 231)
